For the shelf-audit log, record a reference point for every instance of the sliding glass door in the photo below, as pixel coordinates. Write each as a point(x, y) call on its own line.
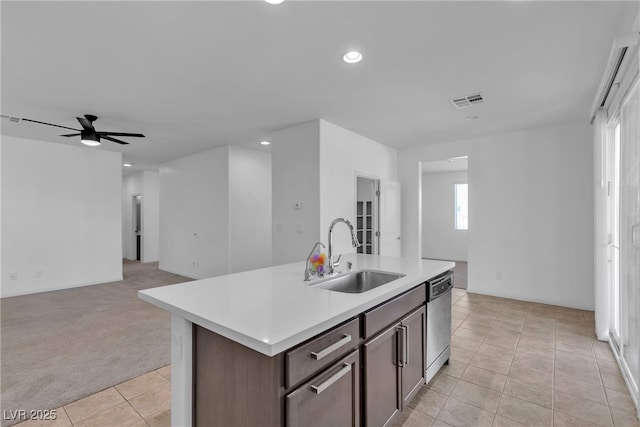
point(629, 136)
point(623, 223)
point(613, 224)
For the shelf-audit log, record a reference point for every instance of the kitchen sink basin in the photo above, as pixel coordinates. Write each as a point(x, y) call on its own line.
point(357, 282)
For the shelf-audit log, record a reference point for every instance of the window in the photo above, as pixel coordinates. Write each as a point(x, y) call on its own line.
point(461, 193)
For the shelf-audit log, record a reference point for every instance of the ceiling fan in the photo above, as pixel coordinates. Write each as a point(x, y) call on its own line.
point(88, 134)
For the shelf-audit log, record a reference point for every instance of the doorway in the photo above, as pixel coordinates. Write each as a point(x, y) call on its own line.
point(367, 215)
point(378, 216)
point(137, 226)
point(445, 213)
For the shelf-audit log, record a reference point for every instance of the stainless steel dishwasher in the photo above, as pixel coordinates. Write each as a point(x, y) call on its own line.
point(438, 322)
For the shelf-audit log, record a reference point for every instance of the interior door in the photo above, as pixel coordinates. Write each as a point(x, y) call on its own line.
point(389, 219)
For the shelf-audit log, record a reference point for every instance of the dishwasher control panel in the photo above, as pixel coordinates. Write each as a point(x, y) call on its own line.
point(439, 285)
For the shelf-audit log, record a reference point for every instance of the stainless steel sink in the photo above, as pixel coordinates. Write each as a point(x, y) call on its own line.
point(357, 282)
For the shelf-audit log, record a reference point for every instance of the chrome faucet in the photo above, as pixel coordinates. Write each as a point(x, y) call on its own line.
point(307, 267)
point(354, 242)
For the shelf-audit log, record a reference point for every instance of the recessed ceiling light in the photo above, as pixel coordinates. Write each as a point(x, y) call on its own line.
point(127, 165)
point(265, 143)
point(352, 57)
point(274, 1)
point(471, 117)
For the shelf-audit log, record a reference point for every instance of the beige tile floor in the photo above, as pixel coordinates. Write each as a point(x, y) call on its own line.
point(515, 363)
point(512, 363)
point(142, 401)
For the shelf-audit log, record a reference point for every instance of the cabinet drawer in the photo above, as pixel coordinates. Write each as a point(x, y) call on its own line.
point(303, 361)
point(329, 399)
point(383, 315)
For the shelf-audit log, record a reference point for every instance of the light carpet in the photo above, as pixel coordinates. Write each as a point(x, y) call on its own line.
point(60, 346)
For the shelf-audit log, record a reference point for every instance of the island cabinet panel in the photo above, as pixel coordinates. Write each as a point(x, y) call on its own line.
point(332, 398)
point(234, 385)
point(362, 372)
point(386, 313)
point(413, 365)
point(394, 368)
point(315, 354)
point(381, 378)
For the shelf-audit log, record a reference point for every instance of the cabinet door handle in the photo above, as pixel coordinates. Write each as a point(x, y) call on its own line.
point(333, 347)
point(402, 346)
point(405, 356)
point(346, 368)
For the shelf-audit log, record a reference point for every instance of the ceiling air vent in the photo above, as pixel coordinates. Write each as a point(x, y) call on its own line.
point(467, 101)
point(11, 118)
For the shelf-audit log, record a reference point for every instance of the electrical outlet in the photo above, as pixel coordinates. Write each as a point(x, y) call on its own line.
point(498, 275)
point(39, 274)
point(13, 276)
point(299, 229)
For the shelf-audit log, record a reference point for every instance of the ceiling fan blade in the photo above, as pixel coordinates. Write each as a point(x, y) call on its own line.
point(49, 124)
point(86, 124)
point(72, 134)
point(108, 138)
point(137, 135)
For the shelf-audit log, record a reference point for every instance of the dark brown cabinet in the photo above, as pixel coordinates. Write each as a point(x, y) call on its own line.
point(363, 371)
point(329, 399)
point(394, 368)
point(413, 363)
point(381, 378)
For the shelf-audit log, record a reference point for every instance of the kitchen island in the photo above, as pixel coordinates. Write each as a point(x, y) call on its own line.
point(246, 327)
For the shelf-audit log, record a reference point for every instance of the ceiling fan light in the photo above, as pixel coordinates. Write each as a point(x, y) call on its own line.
point(90, 139)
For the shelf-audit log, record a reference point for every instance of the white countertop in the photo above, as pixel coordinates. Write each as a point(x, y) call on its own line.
point(272, 309)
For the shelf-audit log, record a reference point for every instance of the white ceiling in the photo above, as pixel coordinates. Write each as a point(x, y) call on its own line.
point(456, 164)
point(195, 75)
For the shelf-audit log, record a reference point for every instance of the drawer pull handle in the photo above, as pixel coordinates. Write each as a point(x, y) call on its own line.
point(333, 347)
point(346, 368)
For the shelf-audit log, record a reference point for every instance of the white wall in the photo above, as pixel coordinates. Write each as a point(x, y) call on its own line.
point(194, 214)
point(249, 209)
point(344, 155)
point(295, 161)
point(440, 239)
point(61, 216)
point(531, 212)
point(151, 216)
point(215, 212)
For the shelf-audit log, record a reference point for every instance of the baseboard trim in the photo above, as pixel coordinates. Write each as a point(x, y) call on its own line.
point(59, 288)
point(178, 273)
point(534, 300)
